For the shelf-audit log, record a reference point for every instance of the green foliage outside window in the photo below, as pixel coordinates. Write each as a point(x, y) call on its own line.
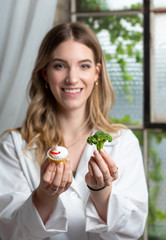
point(92, 5)
point(124, 40)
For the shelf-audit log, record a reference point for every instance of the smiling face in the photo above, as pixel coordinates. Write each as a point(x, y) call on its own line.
point(71, 74)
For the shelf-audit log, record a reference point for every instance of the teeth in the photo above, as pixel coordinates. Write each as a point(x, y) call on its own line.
point(72, 90)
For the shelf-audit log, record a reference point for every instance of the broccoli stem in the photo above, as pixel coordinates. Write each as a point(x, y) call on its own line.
point(100, 145)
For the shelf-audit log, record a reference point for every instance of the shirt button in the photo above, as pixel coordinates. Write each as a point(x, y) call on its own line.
point(73, 195)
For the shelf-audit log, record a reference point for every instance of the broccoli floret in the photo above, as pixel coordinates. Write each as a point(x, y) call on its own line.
point(99, 139)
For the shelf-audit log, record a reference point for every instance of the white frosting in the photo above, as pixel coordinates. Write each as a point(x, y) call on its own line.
point(62, 153)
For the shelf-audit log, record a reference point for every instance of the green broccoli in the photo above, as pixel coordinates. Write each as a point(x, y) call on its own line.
point(99, 139)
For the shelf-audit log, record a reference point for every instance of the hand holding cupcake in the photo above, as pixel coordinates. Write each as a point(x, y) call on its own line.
point(57, 154)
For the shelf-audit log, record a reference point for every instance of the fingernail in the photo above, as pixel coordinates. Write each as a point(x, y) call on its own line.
point(96, 152)
point(102, 151)
point(60, 164)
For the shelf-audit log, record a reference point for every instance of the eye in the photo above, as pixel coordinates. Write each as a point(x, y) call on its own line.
point(85, 66)
point(59, 66)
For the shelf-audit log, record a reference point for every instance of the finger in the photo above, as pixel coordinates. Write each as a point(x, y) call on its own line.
point(70, 176)
point(63, 179)
point(55, 187)
point(90, 170)
point(44, 166)
point(54, 190)
point(66, 178)
point(115, 174)
point(90, 178)
point(49, 173)
point(110, 163)
point(102, 165)
point(58, 176)
point(98, 176)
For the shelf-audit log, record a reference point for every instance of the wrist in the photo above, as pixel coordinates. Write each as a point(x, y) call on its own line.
point(96, 189)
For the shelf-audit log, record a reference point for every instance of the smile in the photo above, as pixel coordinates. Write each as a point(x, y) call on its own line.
point(76, 90)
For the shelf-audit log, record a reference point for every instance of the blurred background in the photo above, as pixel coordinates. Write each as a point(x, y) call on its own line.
point(133, 37)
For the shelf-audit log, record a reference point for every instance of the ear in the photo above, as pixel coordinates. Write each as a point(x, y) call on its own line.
point(44, 74)
point(98, 69)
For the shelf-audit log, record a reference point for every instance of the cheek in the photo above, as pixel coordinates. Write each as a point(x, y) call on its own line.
point(89, 77)
point(90, 86)
point(54, 83)
point(55, 77)
point(52, 78)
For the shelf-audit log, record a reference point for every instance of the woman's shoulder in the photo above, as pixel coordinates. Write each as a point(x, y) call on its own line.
point(125, 135)
point(127, 132)
point(11, 137)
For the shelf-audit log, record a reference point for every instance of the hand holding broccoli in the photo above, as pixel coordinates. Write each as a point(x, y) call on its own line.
point(99, 138)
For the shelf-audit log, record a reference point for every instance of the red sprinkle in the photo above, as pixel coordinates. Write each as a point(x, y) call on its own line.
point(54, 152)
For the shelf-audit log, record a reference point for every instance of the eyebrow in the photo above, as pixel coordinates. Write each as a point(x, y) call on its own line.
point(61, 60)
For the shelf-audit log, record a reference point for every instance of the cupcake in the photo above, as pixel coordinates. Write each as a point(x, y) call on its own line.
point(57, 154)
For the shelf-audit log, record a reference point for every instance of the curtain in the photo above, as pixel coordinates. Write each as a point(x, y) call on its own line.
point(23, 24)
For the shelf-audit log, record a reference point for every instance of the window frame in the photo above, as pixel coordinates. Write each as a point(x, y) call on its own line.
point(148, 64)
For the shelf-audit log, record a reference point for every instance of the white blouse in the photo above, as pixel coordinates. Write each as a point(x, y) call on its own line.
point(74, 217)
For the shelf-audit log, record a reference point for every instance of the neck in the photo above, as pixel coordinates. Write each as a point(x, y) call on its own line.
point(73, 126)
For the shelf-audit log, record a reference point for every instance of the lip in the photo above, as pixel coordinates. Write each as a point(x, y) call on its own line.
point(72, 91)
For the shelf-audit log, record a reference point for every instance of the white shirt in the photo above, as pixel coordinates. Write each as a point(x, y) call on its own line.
point(74, 217)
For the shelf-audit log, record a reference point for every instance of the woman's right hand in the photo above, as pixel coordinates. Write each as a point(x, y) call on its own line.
point(54, 180)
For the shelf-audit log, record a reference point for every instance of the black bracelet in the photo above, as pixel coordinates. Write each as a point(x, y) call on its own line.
point(93, 189)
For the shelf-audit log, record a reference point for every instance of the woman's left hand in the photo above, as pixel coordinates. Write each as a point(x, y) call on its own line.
point(102, 170)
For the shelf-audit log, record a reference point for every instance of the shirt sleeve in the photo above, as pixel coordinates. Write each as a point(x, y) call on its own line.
point(128, 202)
point(19, 218)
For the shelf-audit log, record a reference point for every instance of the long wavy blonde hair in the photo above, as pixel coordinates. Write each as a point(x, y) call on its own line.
point(41, 125)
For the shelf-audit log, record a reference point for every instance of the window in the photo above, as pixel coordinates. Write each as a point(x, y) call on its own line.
point(133, 37)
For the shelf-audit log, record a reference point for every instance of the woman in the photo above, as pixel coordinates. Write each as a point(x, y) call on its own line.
point(71, 96)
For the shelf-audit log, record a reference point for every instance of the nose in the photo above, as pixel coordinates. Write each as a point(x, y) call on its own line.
point(72, 76)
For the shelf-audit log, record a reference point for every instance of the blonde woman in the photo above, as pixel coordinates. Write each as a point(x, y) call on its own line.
point(95, 194)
